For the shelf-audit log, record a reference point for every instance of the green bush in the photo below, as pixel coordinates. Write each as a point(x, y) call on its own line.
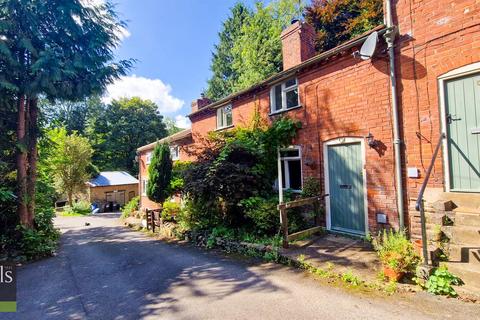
point(198, 215)
point(41, 241)
point(311, 187)
point(170, 210)
point(263, 213)
point(441, 281)
point(396, 251)
point(131, 207)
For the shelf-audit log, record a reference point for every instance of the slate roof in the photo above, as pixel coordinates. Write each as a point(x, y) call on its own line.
point(172, 138)
point(112, 178)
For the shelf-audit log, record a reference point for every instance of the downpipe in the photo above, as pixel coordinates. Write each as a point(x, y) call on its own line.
point(397, 143)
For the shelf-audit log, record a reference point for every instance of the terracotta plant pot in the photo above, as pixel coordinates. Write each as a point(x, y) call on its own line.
point(418, 245)
point(392, 275)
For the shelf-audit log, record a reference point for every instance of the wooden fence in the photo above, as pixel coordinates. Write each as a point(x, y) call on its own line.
point(317, 203)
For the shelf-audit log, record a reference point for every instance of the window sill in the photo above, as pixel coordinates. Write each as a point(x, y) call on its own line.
point(284, 110)
point(224, 128)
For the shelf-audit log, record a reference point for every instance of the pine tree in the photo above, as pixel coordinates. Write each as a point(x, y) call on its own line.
point(159, 173)
point(60, 49)
point(224, 77)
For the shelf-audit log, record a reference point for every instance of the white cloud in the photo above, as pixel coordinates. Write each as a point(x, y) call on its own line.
point(145, 88)
point(182, 122)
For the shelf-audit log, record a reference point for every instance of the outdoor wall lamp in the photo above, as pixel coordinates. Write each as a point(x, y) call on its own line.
point(372, 143)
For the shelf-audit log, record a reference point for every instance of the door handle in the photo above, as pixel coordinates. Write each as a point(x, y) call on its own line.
point(475, 131)
point(451, 118)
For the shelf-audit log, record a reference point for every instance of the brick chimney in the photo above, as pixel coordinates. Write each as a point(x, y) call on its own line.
point(298, 43)
point(200, 103)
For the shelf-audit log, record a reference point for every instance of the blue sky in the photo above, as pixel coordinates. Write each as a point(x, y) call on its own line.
point(172, 41)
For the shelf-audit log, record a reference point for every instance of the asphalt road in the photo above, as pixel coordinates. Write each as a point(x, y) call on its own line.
point(105, 271)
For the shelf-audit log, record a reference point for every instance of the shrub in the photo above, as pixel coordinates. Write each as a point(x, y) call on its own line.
point(396, 251)
point(170, 210)
point(441, 281)
point(80, 208)
point(198, 215)
point(131, 207)
point(41, 241)
point(263, 213)
point(311, 187)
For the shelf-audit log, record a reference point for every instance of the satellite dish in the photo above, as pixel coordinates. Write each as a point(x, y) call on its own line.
point(369, 47)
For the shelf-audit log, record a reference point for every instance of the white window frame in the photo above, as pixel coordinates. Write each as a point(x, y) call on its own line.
point(148, 157)
point(175, 152)
point(285, 90)
point(144, 187)
point(285, 161)
point(222, 117)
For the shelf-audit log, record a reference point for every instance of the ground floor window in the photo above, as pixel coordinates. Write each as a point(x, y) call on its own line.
point(175, 152)
point(291, 162)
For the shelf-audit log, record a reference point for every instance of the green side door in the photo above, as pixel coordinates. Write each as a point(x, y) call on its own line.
point(345, 175)
point(462, 97)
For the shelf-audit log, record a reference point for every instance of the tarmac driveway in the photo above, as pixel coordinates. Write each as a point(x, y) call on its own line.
point(105, 271)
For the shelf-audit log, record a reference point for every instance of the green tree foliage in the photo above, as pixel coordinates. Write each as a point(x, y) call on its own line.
point(58, 49)
point(72, 115)
point(159, 174)
point(337, 21)
point(171, 126)
point(224, 77)
point(69, 160)
point(120, 128)
point(242, 164)
point(258, 51)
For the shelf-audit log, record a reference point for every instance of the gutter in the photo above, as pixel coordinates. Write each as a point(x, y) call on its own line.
point(294, 70)
point(397, 142)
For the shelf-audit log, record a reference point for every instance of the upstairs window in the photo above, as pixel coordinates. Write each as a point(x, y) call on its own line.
point(224, 117)
point(175, 152)
point(284, 96)
point(148, 157)
point(291, 161)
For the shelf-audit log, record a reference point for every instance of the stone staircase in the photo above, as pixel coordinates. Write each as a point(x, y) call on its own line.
point(458, 214)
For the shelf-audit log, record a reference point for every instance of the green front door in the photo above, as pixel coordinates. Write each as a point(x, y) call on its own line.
point(345, 178)
point(462, 97)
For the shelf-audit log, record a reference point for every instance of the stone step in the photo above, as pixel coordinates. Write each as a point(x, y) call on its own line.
point(468, 272)
point(466, 218)
point(462, 253)
point(462, 234)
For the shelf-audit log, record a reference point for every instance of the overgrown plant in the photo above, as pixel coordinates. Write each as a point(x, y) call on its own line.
point(396, 251)
point(131, 207)
point(441, 281)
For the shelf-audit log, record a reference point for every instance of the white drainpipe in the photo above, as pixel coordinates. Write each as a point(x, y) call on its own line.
point(397, 143)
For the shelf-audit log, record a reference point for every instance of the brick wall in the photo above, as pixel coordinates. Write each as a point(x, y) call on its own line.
point(436, 36)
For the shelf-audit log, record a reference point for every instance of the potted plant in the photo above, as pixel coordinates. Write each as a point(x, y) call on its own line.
point(396, 254)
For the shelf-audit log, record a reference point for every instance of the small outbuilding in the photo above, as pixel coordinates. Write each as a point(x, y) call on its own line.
point(112, 189)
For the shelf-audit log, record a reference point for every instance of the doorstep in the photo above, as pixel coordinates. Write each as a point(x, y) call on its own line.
point(345, 254)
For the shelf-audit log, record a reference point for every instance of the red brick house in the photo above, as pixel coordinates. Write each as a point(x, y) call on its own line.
point(345, 106)
point(177, 142)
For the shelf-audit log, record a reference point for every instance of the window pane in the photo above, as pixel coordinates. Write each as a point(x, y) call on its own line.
point(291, 82)
point(228, 116)
point(292, 98)
point(283, 174)
point(289, 153)
point(220, 118)
point(295, 172)
point(278, 98)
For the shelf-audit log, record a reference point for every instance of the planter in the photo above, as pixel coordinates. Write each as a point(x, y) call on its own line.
point(391, 274)
point(418, 245)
